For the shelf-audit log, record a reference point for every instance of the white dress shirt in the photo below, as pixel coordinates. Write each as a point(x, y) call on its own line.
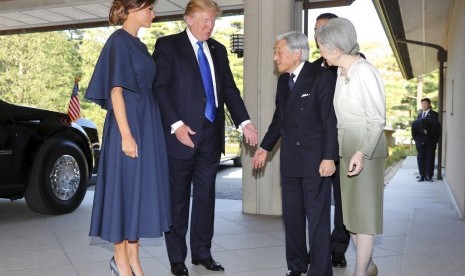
point(297, 71)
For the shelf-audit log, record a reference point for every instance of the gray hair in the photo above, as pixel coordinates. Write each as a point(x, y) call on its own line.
point(339, 33)
point(296, 41)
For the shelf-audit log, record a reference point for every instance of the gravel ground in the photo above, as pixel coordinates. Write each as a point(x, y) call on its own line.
point(391, 171)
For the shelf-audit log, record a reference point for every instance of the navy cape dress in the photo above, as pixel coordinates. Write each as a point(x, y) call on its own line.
point(131, 198)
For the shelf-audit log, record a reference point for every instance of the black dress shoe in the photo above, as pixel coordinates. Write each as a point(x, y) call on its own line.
point(430, 180)
point(179, 269)
point(338, 260)
point(421, 180)
point(291, 272)
point(209, 264)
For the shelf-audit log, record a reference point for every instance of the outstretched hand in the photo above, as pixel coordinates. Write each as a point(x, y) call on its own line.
point(259, 158)
point(250, 134)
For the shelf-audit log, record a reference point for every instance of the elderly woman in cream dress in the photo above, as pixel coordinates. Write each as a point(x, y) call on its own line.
point(360, 106)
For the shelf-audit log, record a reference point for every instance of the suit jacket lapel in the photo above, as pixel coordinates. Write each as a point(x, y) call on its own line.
point(191, 56)
point(215, 69)
point(301, 87)
point(189, 53)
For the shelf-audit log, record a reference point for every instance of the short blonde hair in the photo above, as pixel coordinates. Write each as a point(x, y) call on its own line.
point(202, 5)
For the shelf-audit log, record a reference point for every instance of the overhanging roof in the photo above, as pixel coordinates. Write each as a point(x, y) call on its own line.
point(21, 16)
point(418, 20)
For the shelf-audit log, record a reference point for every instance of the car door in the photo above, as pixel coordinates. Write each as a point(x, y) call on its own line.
point(6, 144)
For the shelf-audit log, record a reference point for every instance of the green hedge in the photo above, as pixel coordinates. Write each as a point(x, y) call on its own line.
point(399, 152)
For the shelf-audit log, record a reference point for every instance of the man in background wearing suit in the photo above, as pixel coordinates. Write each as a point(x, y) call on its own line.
point(305, 121)
point(426, 131)
point(340, 237)
point(193, 83)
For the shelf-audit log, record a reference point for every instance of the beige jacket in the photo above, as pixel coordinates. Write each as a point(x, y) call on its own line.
point(360, 106)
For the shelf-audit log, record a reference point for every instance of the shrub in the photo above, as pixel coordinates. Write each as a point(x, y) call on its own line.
point(399, 152)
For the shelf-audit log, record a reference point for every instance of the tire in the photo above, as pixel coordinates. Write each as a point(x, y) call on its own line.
point(237, 162)
point(59, 175)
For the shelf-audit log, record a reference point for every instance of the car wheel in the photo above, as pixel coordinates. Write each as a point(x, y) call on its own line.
point(58, 180)
point(237, 162)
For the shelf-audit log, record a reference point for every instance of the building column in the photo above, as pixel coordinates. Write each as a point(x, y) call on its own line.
point(263, 21)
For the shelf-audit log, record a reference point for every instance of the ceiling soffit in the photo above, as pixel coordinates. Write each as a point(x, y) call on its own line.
point(21, 16)
point(418, 20)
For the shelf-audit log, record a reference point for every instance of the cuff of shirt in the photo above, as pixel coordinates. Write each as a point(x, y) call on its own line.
point(244, 123)
point(175, 126)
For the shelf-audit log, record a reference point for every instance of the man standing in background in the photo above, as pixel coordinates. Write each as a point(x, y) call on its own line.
point(426, 131)
point(340, 237)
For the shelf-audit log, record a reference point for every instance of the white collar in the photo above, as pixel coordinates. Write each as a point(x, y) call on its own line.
point(192, 39)
point(297, 70)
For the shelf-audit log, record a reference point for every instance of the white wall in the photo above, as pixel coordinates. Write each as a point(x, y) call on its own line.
point(454, 110)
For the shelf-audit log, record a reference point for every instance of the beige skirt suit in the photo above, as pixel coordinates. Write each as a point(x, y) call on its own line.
point(360, 106)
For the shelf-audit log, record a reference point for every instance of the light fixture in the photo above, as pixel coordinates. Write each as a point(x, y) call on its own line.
point(237, 44)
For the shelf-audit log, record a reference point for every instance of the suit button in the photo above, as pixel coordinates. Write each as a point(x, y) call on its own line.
point(301, 109)
point(204, 99)
point(297, 143)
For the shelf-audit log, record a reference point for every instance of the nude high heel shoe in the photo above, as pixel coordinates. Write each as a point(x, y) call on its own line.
point(372, 270)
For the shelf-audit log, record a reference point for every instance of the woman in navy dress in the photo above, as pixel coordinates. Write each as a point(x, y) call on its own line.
point(131, 198)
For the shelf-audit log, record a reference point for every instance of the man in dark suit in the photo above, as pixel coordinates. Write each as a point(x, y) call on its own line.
point(426, 131)
point(193, 83)
point(305, 121)
point(340, 237)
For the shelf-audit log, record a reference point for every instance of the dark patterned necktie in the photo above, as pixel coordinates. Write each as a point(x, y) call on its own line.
point(291, 81)
point(210, 108)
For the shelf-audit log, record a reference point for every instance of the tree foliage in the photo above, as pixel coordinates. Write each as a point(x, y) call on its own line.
point(38, 69)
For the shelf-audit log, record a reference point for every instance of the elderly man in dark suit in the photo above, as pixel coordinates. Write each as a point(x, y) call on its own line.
point(426, 131)
point(193, 83)
point(305, 121)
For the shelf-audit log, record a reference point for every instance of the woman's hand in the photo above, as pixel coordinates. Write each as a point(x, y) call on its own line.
point(129, 147)
point(356, 164)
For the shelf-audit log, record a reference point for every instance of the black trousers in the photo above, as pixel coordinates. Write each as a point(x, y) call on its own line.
point(425, 159)
point(340, 237)
point(307, 201)
point(200, 171)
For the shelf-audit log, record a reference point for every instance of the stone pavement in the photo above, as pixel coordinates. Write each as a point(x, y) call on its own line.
point(423, 236)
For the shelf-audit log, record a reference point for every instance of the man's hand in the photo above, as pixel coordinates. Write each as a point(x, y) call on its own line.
point(250, 134)
point(327, 168)
point(259, 158)
point(356, 164)
point(182, 133)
